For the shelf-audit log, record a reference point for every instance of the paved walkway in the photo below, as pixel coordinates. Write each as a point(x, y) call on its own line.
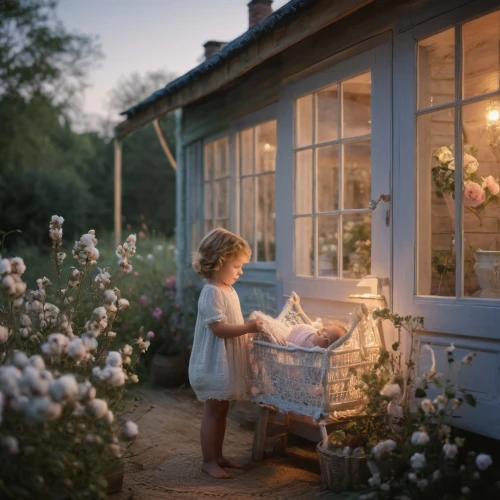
point(168, 459)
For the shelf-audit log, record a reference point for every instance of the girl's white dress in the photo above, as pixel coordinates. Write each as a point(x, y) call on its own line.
point(219, 368)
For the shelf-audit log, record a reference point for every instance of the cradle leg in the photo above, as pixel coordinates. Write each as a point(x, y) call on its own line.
point(287, 428)
point(259, 436)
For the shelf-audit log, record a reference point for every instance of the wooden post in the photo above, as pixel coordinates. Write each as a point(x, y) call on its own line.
point(259, 437)
point(118, 192)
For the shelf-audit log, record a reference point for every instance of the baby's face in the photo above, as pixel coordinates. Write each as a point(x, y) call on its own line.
point(333, 333)
point(320, 341)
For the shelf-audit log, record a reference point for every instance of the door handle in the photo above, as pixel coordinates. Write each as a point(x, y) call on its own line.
point(383, 197)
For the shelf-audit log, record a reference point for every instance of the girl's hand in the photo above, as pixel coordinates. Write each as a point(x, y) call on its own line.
point(254, 325)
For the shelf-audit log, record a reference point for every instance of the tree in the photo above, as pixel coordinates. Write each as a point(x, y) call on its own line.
point(38, 55)
point(131, 89)
point(43, 163)
point(148, 178)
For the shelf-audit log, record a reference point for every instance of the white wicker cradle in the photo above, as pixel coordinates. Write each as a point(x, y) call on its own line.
point(315, 382)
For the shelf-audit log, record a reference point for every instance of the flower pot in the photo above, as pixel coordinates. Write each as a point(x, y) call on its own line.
point(169, 370)
point(487, 270)
point(114, 477)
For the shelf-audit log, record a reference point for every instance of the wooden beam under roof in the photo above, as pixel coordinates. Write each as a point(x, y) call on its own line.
point(317, 17)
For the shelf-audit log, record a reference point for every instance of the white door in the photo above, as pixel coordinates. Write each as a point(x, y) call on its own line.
point(334, 157)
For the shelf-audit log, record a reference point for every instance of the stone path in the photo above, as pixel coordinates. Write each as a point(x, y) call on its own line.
point(167, 464)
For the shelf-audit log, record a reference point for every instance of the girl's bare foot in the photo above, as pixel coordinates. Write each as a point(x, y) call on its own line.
point(215, 470)
point(231, 464)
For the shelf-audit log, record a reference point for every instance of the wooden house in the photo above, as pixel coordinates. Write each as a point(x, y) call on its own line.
point(326, 136)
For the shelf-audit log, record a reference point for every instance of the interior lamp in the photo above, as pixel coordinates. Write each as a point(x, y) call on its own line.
point(492, 116)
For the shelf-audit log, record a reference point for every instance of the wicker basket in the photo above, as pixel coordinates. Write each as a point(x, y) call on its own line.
point(340, 472)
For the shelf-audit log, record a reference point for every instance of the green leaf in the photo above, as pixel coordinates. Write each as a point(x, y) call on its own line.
point(395, 346)
point(420, 393)
point(470, 400)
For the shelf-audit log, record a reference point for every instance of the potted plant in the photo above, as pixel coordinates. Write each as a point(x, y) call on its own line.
point(415, 453)
point(170, 354)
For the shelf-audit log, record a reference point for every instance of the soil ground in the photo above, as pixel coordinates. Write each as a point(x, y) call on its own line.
point(168, 457)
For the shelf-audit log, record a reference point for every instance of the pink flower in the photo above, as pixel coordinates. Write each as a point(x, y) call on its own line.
point(171, 282)
point(157, 313)
point(474, 194)
point(492, 185)
point(150, 335)
point(143, 299)
point(136, 274)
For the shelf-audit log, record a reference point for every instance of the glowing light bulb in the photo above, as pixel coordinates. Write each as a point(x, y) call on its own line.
point(493, 115)
point(267, 146)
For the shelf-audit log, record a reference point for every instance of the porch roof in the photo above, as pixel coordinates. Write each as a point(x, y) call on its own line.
point(288, 25)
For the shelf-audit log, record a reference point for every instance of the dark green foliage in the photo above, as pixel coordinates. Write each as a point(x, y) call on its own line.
point(46, 167)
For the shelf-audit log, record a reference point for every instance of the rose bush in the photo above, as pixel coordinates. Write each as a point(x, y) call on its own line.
point(64, 372)
point(415, 452)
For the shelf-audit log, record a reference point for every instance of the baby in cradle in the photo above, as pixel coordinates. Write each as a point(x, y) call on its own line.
point(312, 336)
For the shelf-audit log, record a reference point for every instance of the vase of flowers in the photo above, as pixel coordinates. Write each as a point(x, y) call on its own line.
point(487, 269)
point(478, 191)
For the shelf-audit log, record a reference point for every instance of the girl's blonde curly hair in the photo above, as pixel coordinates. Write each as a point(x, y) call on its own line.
point(218, 246)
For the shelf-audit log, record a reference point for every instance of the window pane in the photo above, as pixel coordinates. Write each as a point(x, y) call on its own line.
point(436, 206)
point(209, 160)
point(357, 174)
point(303, 121)
point(481, 55)
point(481, 215)
point(247, 209)
point(221, 157)
point(436, 69)
point(356, 105)
point(265, 137)
point(208, 195)
point(327, 123)
point(221, 194)
point(303, 182)
point(357, 246)
point(246, 151)
point(328, 232)
point(266, 217)
point(304, 246)
point(328, 178)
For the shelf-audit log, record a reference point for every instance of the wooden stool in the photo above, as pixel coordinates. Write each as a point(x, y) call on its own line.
point(260, 433)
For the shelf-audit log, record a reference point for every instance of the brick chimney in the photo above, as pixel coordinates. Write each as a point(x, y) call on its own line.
point(212, 47)
point(258, 10)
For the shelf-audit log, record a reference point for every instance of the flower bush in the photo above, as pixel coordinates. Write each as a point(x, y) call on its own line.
point(157, 309)
point(415, 453)
point(64, 372)
point(478, 192)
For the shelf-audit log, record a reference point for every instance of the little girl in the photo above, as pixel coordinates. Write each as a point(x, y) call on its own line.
point(219, 366)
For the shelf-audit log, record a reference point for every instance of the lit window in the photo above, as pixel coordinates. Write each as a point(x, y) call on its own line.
point(332, 180)
point(216, 185)
point(459, 258)
point(257, 160)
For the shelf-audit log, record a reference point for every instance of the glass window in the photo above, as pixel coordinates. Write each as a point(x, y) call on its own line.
point(257, 159)
point(332, 180)
point(460, 258)
point(216, 185)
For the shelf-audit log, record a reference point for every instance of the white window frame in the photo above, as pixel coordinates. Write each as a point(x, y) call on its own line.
point(269, 113)
point(374, 56)
point(472, 317)
point(193, 165)
point(206, 140)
